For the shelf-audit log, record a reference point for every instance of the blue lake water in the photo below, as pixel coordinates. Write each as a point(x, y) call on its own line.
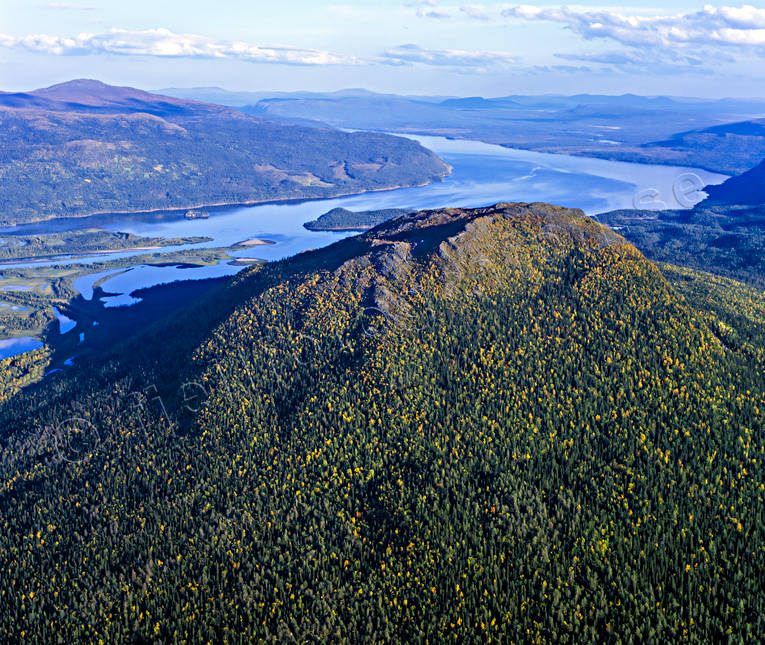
point(12, 346)
point(141, 276)
point(84, 284)
point(482, 174)
point(65, 324)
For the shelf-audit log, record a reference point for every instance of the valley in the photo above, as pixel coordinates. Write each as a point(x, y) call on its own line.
point(720, 135)
point(205, 248)
point(30, 296)
point(58, 246)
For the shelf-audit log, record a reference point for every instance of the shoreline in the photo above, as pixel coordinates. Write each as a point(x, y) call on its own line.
point(245, 262)
point(255, 241)
point(221, 205)
point(583, 154)
point(339, 229)
point(38, 259)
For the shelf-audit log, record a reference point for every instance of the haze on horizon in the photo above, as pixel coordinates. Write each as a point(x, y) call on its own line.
point(442, 47)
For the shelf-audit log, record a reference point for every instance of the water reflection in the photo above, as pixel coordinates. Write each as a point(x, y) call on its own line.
point(12, 346)
point(141, 277)
point(65, 324)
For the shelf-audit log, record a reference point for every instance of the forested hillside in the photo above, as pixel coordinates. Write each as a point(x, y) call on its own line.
point(720, 238)
point(747, 188)
point(501, 424)
point(730, 148)
point(84, 147)
point(342, 219)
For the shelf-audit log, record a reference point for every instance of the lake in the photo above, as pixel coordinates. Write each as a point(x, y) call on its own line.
point(13, 346)
point(482, 174)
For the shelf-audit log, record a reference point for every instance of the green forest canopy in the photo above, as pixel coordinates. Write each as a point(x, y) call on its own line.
point(464, 425)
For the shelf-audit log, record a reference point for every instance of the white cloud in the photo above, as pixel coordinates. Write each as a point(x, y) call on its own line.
point(456, 58)
point(476, 13)
point(622, 57)
point(639, 57)
point(566, 69)
point(433, 13)
point(163, 43)
point(65, 5)
point(630, 61)
point(428, 9)
point(737, 26)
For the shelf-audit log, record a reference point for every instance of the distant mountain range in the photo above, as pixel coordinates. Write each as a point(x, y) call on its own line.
point(91, 96)
point(243, 97)
point(720, 135)
point(85, 147)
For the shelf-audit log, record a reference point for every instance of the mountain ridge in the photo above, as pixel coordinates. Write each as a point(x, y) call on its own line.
point(83, 147)
point(497, 422)
point(97, 96)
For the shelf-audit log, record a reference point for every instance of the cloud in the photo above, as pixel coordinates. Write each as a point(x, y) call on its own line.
point(162, 43)
point(433, 13)
point(641, 61)
point(566, 69)
point(639, 58)
point(456, 58)
point(476, 13)
point(428, 9)
point(621, 57)
point(66, 6)
point(712, 26)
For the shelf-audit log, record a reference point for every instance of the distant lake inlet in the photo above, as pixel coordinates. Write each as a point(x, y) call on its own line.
point(483, 174)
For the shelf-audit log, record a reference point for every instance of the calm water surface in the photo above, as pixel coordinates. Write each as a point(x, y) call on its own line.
point(482, 174)
point(12, 346)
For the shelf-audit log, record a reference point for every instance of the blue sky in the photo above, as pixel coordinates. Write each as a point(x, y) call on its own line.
point(440, 47)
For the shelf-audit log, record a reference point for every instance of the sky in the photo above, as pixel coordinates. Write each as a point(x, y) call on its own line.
point(433, 47)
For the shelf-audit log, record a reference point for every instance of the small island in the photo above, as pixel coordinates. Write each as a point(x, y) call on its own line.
point(342, 219)
point(255, 241)
point(196, 214)
point(245, 262)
